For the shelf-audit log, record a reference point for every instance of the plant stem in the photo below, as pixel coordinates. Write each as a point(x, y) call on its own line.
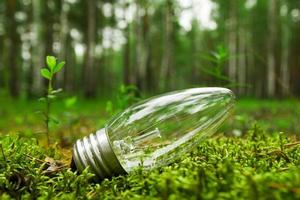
point(48, 111)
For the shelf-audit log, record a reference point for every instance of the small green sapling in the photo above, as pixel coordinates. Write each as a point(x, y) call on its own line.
point(48, 73)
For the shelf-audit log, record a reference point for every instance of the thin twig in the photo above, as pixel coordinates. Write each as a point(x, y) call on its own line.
point(43, 161)
point(291, 144)
point(33, 158)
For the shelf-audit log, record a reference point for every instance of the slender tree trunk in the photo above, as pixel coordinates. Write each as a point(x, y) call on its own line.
point(232, 39)
point(150, 73)
point(2, 41)
point(195, 42)
point(141, 50)
point(28, 78)
point(250, 65)
point(147, 47)
point(89, 77)
point(102, 78)
point(13, 48)
point(242, 62)
point(1, 61)
point(271, 74)
point(126, 58)
point(167, 46)
point(127, 80)
point(64, 34)
point(69, 72)
point(49, 21)
point(284, 65)
point(38, 46)
point(295, 62)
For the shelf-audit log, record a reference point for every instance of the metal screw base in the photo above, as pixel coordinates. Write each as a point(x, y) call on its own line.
point(96, 152)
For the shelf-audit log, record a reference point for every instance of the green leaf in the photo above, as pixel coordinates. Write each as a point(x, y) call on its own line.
point(42, 99)
point(39, 112)
point(50, 96)
point(54, 120)
point(58, 67)
point(69, 102)
point(51, 62)
point(46, 73)
point(56, 91)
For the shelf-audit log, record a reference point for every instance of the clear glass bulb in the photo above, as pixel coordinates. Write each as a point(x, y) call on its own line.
point(154, 132)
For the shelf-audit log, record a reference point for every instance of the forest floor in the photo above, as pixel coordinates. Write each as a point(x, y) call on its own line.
point(255, 155)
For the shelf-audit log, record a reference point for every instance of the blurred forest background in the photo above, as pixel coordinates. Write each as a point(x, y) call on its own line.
point(118, 52)
point(251, 46)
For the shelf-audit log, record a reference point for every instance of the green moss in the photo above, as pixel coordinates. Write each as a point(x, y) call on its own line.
point(258, 165)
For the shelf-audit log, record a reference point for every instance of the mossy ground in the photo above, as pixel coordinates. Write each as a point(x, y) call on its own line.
point(245, 160)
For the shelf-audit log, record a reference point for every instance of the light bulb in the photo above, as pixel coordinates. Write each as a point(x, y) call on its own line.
point(154, 132)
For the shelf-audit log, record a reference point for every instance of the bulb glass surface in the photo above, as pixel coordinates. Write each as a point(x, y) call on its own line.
point(155, 132)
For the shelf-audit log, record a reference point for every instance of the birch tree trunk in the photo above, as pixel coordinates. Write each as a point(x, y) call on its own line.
point(271, 74)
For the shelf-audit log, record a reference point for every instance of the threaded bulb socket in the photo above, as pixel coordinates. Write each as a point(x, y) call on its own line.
point(95, 151)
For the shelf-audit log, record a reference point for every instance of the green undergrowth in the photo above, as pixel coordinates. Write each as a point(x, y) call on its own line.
point(257, 165)
point(86, 116)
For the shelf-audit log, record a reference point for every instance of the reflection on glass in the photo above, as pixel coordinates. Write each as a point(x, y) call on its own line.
point(158, 130)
